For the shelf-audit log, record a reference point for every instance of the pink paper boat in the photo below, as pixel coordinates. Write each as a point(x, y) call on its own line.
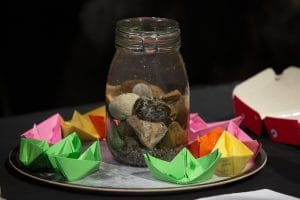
point(49, 130)
point(198, 127)
point(253, 145)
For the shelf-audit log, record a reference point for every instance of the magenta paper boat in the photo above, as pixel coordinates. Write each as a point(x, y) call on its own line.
point(198, 127)
point(49, 130)
point(253, 145)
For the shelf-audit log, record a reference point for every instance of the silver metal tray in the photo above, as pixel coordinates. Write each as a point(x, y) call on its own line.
point(114, 177)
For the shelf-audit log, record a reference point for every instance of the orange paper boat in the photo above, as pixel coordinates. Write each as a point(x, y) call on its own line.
point(203, 145)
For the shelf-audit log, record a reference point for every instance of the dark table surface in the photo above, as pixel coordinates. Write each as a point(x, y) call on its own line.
point(281, 173)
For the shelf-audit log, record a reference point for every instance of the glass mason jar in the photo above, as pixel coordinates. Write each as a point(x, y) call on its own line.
point(147, 91)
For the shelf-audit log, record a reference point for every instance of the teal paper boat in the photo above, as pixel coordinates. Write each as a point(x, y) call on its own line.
point(73, 169)
point(184, 168)
point(69, 147)
point(32, 153)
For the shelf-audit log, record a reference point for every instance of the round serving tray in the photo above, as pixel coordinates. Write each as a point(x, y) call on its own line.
point(117, 178)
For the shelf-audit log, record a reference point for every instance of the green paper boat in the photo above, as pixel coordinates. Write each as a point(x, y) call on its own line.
point(69, 147)
point(32, 153)
point(73, 169)
point(184, 168)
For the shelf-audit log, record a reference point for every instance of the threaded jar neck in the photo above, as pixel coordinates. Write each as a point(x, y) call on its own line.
point(147, 34)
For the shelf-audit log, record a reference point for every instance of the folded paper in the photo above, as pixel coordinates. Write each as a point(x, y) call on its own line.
point(235, 155)
point(33, 153)
point(208, 139)
point(99, 124)
point(253, 145)
point(198, 127)
point(69, 147)
point(89, 126)
point(49, 130)
point(100, 111)
point(97, 117)
point(204, 145)
point(82, 125)
point(184, 168)
point(76, 168)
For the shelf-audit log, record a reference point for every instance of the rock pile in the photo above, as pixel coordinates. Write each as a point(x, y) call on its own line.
point(142, 118)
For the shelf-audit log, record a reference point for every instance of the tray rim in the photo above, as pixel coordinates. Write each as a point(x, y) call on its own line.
point(180, 188)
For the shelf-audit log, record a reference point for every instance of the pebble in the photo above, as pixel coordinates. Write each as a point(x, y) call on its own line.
point(149, 133)
point(112, 91)
point(174, 137)
point(152, 110)
point(114, 139)
point(142, 89)
point(179, 111)
point(128, 85)
point(156, 91)
point(121, 107)
point(171, 96)
point(125, 129)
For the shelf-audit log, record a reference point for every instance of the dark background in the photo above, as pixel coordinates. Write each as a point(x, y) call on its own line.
point(59, 52)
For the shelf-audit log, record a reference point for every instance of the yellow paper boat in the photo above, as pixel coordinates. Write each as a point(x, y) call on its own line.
point(235, 155)
point(82, 124)
point(98, 111)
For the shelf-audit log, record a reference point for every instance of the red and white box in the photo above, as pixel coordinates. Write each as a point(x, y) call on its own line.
point(273, 101)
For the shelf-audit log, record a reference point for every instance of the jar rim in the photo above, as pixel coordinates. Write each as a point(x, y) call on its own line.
point(151, 33)
point(148, 25)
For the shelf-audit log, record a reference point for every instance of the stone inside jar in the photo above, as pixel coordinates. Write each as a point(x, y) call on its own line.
point(143, 118)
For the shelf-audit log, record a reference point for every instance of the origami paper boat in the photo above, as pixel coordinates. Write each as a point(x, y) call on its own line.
point(235, 155)
point(100, 111)
point(204, 145)
point(49, 130)
point(33, 153)
point(199, 127)
point(184, 168)
point(253, 145)
point(97, 116)
point(69, 147)
point(73, 169)
point(82, 125)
